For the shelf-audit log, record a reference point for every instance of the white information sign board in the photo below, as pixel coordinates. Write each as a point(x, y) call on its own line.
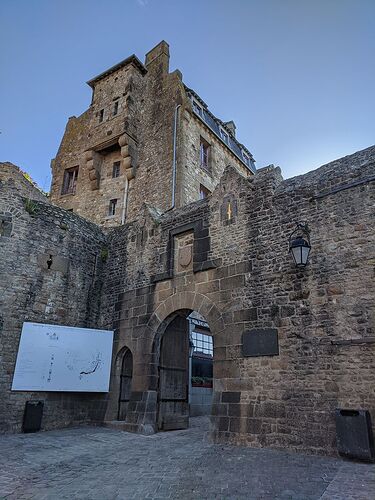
point(63, 358)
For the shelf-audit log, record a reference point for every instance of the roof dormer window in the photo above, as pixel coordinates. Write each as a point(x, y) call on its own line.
point(197, 109)
point(224, 136)
point(246, 158)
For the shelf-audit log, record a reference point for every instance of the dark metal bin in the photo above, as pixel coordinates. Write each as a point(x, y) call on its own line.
point(32, 417)
point(354, 434)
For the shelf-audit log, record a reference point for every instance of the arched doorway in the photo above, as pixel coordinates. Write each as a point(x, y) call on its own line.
point(126, 375)
point(184, 371)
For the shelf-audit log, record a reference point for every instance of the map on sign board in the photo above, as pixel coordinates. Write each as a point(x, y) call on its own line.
point(63, 358)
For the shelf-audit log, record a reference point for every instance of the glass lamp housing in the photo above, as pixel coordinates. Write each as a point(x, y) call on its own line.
point(300, 249)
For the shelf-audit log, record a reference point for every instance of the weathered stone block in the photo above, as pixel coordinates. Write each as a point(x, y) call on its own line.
point(232, 282)
point(234, 410)
point(223, 423)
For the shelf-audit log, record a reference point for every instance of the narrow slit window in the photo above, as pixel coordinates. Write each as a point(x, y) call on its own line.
point(115, 108)
point(101, 115)
point(204, 152)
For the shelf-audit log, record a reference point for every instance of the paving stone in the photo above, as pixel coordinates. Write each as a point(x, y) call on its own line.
point(93, 463)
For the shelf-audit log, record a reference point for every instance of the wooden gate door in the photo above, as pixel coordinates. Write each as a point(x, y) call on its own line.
point(125, 384)
point(173, 376)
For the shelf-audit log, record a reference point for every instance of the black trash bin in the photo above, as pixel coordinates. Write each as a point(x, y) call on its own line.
point(32, 417)
point(354, 434)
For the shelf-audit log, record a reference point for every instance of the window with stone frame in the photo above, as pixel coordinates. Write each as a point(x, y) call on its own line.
point(116, 169)
point(112, 207)
point(70, 180)
point(115, 108)
point(205, 154)
point(203, 192)
point(101, 115)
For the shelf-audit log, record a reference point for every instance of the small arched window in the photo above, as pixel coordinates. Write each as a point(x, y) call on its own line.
point(126, 376)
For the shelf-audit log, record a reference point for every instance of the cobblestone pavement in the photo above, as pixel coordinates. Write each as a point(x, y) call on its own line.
point(105, 464)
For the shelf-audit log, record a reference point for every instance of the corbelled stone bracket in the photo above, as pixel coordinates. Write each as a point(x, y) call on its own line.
point(94, 175)
point(128, 153)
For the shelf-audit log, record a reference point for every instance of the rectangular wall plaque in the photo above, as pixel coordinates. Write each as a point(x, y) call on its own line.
point(260, 342)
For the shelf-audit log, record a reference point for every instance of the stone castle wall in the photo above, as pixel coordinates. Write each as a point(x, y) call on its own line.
point(235, 271)
point(242, 280)
point(17, 180)
point(66, 294)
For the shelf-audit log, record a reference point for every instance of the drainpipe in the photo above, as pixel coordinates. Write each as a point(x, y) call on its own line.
point(125, 201)
point(174, 165)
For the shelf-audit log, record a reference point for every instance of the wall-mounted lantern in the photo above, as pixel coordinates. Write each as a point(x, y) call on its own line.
point(49, 262)
point(299, 244)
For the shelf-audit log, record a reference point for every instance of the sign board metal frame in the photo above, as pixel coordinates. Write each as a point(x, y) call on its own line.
point(63, 359)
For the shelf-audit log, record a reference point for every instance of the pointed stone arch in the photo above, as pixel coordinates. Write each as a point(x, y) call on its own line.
point(115, 384)
point(125, 369)
point(142, 410)
point(179, 304)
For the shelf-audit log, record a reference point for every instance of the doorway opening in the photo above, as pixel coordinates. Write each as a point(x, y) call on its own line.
point(201, 366)
point(185, 371)
point(126, 375)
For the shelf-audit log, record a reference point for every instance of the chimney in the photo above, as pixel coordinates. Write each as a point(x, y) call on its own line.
point(231, 126)
point(158, 58)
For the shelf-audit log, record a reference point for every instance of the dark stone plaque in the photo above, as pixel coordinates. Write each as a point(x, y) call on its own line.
point(260, 342)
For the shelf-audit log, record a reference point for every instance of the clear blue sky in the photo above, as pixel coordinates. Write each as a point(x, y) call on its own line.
point(296, 76)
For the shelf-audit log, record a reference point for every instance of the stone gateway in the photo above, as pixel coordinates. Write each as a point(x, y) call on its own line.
point(157, 214)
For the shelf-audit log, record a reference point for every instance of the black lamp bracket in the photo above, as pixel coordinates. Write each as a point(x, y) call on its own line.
point(301, 228)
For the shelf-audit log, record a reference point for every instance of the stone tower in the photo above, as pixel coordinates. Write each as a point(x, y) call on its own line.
point(146, 137)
